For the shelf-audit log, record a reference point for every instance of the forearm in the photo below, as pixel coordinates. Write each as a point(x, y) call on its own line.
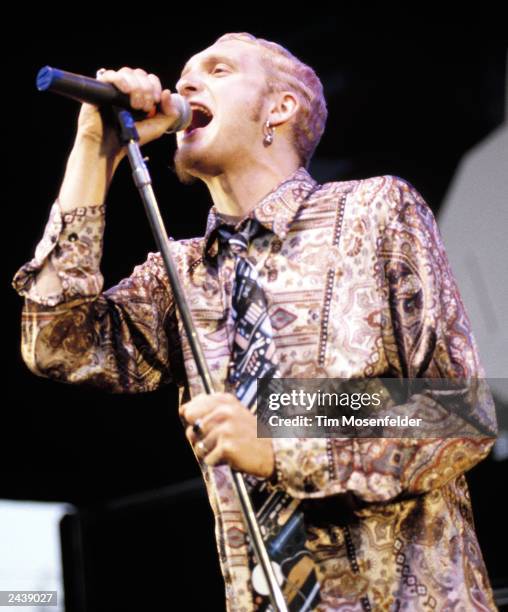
point(89, 171)
point(88, 174)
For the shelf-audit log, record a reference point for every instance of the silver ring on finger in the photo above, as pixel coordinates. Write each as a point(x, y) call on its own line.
point(100, 72)
point(201, 446)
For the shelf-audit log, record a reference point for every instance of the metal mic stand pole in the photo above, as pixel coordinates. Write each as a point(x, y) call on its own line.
point(129, 136)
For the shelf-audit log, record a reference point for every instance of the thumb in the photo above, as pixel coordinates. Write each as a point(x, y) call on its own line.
point(153, 127)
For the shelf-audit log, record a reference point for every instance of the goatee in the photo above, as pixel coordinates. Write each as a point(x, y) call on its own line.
point(179, 167)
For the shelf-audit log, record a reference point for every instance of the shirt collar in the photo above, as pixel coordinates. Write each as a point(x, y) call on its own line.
point(276, 211)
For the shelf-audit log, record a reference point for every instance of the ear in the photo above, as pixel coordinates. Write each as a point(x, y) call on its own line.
point(285, 106)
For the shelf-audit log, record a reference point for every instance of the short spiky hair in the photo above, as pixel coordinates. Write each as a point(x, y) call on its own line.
point(285, 71)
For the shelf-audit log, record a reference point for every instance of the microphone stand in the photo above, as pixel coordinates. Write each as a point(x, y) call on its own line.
point(129, 137)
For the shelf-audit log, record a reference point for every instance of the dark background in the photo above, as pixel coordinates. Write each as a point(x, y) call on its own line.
point(399, 103)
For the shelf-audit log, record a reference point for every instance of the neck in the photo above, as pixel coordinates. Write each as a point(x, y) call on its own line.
point(236, 192)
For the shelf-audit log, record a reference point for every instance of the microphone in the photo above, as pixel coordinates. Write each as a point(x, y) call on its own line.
point(85, 89)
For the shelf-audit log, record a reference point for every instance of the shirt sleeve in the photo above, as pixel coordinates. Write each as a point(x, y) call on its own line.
point(427, 334)
point(124, 339)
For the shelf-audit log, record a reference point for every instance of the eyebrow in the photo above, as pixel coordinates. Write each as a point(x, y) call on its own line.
point(211, 59)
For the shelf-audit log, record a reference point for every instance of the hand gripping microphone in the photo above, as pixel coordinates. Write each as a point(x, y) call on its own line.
point(86, 89)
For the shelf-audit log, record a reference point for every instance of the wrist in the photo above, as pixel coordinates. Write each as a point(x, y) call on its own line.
point(107, 149)
point(89, 171)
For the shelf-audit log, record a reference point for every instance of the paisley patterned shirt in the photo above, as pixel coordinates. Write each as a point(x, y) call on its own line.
point(358, 285)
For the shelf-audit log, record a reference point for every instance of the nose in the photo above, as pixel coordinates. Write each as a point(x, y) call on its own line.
point(187, 85)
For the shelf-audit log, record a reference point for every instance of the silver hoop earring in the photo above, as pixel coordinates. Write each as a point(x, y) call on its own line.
point(268, 132)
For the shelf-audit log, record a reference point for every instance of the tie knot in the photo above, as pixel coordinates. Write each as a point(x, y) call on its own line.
point(235, 240)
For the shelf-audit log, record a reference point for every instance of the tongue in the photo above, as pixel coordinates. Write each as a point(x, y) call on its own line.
point(199, 120)
point(193, 128)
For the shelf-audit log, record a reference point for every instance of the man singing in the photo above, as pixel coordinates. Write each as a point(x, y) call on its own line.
point(346, 280)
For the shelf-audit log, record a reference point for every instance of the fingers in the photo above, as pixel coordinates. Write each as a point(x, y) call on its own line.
point(201, 442)
point(139, 88)
point(156, 87)
point(203, 405)
point(210, 427)
point(144, 90)
point(220, 453)
point(214, 413)
point(215, 448)
point(166, 102)
point(205, 446)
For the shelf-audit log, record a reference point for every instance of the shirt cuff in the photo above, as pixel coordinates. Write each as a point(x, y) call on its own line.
point(72, 242)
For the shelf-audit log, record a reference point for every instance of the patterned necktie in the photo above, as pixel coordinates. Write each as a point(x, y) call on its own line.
point(253, 357)
point(253, 353)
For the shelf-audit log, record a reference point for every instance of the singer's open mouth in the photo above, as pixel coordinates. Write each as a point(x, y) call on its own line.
point(201, 117)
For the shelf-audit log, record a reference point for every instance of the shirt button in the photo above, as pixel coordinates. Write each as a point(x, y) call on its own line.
point(276, 245)
point(73, 237)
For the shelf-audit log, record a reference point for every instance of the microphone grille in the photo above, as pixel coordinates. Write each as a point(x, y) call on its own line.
point(184, 113)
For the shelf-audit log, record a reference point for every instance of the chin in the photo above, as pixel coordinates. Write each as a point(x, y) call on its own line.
point(182, 172)
point(187, 162)
point(191, 165)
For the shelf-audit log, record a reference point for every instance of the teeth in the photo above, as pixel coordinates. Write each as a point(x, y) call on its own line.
point(202, 109)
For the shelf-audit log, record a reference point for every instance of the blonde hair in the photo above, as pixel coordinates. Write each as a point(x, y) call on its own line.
point(285, 71)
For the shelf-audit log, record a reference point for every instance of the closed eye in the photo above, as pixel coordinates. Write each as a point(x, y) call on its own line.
point(219, 69)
